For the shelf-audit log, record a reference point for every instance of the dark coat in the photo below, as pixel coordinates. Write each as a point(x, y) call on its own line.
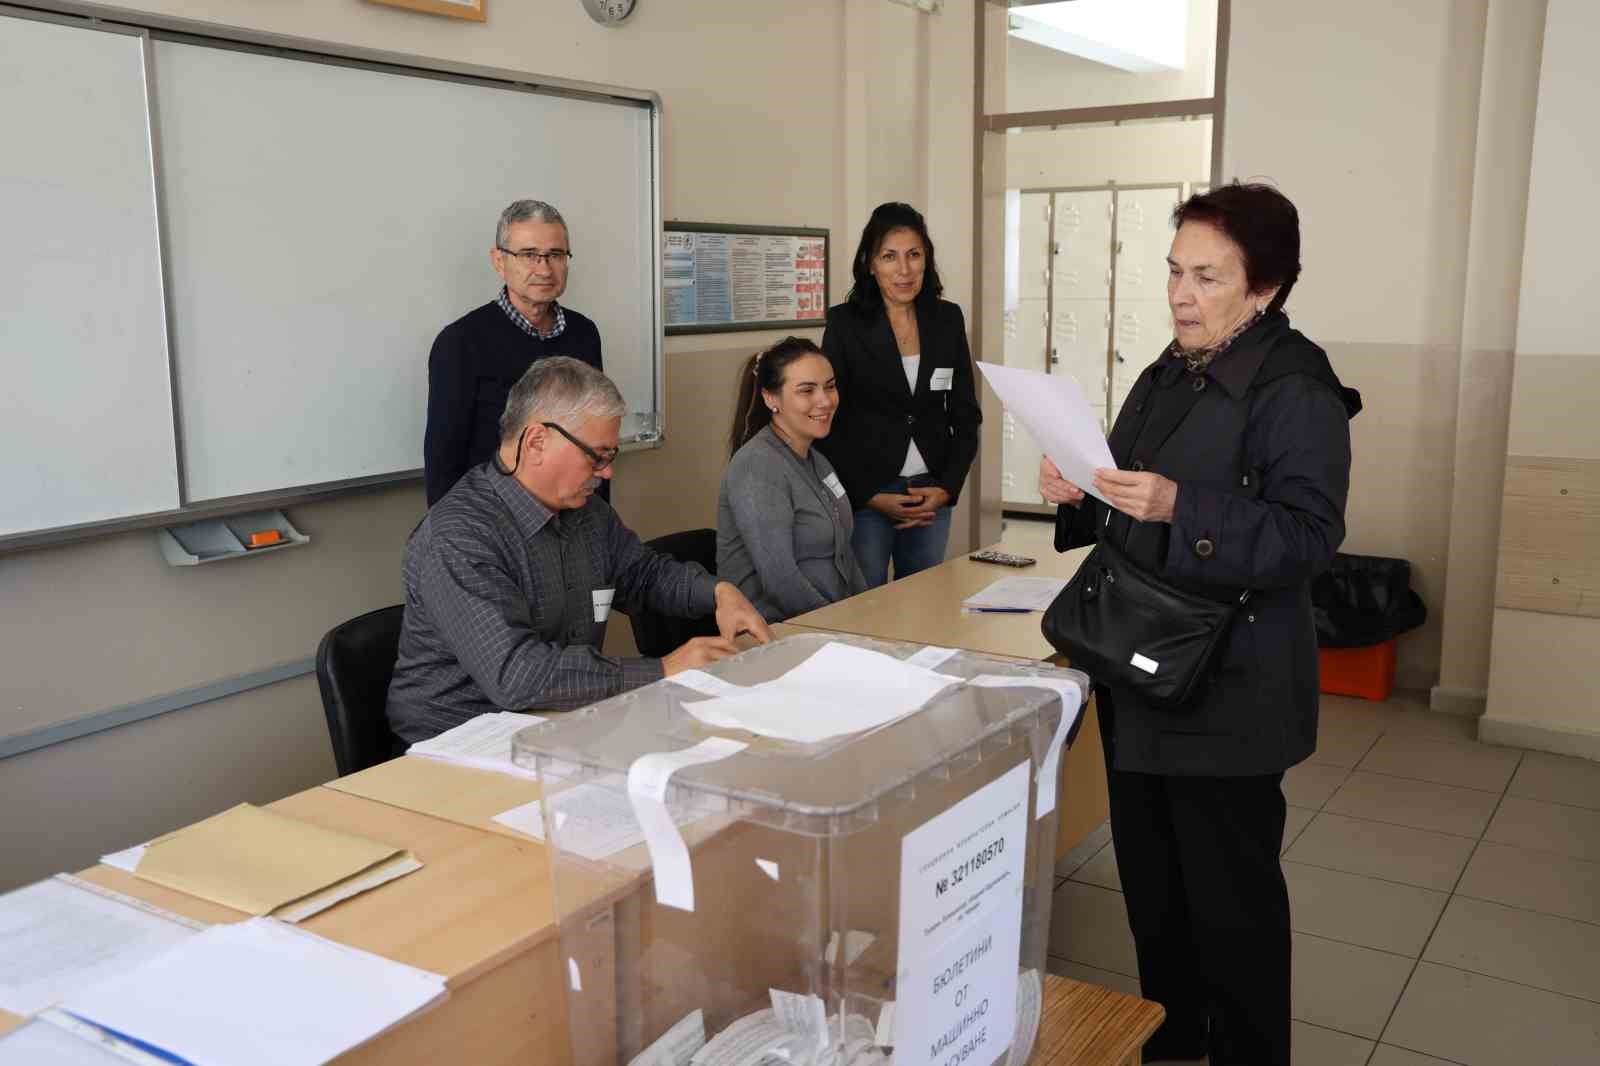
point(1259, 445)
point(879, 416)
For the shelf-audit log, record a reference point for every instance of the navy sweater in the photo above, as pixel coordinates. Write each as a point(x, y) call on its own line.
point(475, 361)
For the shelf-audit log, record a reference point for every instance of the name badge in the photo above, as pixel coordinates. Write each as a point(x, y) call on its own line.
point(940, 381)
point(602, 603)
point(832, 481)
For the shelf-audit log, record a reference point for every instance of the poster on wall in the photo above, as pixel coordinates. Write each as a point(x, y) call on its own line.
point(717, 278)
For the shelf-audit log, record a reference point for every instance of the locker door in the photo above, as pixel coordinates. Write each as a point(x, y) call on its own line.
point(1083, 245)
point(1078, 335)
point(1033, 237)
point(1143, 320)
point(1081, 286)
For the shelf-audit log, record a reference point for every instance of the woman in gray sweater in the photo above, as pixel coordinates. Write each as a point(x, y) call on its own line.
point(783, 519)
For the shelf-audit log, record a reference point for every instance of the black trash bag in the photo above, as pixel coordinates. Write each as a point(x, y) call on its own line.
point(1363, 600)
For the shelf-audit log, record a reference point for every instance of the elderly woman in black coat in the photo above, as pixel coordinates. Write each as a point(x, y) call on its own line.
point(1233, 456)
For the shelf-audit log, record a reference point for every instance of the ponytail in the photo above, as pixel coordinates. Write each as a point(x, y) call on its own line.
point(761, 373)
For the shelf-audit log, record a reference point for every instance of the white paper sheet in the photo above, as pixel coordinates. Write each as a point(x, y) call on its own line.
point(42, 1044)
point(676, 1046)
point(647, 790)
point(931, 657)
point(126, 859)
point(57, 939)
point(704, 683)
point(591, 820)
point(296, 997)
point(804, 1016)
point(1017, 594)
point(1052, 408)
point(855, 942)
point(1072, 698)
point(483, 743)
point(840, 689)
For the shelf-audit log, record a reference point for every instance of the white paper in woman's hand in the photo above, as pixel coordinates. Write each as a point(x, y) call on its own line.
point(1054, 411)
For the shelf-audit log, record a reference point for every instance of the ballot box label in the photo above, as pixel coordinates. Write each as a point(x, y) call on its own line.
point(961, 892)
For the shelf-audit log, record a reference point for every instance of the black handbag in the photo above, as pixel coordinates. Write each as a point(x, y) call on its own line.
point(1128, 628)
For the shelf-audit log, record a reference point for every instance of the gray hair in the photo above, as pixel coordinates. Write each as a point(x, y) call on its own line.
point(527, 211)
point(559, 389)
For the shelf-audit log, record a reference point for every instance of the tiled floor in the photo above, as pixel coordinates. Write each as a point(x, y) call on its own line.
point(1445, 896)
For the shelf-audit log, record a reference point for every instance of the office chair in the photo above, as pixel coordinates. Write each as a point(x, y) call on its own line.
point(354, 663)
point(657, 634)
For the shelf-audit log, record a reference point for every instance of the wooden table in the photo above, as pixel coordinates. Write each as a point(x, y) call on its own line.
point(1084, 1023)
point(479, 912)
point(925, 608)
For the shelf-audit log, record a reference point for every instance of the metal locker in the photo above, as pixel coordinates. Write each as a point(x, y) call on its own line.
point(1080, 267)
point(1033, 241)
point(1144, 237)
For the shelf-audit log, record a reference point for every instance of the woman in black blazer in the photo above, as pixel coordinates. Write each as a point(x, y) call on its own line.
point(907, 427)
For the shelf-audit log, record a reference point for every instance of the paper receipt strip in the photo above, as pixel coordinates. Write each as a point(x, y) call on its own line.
point(648, 778)
point(1071, 707)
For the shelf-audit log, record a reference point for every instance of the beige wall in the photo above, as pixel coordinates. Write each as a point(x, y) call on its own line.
point(1507, 97)
point(1543, 690)
point(1143, 153)
point(1385, 197)
point(801, 114)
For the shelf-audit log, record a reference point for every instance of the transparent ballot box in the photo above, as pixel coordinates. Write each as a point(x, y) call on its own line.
point(774, 861)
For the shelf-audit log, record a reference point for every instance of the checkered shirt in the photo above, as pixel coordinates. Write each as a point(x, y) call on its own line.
point(499, 612)
point(525, 323)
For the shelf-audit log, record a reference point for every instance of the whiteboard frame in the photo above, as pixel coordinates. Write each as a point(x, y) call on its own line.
point(152, 27)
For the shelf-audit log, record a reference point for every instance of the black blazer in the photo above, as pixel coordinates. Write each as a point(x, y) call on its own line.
point(879, 416)
point(1259, 444)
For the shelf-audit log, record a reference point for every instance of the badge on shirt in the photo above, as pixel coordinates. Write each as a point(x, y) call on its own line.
point(940, 381)
point(832, 481)
point(602, 603)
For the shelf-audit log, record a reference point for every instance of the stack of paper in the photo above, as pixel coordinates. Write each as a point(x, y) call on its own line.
point(258, 993)
point(1017, 594)
point(57, 938)
point(262, 862)
point(483, 742)
point(841, 689)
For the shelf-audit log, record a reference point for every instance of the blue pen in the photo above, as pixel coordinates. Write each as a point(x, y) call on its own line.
point(1001, 610)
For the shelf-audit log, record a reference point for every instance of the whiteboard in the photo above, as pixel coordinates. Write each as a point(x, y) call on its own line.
point(86, 430)
point(325, 221)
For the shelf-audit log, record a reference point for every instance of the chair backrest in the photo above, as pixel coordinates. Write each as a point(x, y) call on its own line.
point(658, 634)
point(354, 664)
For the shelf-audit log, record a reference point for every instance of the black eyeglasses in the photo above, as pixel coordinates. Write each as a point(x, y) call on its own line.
point(529, 256)
point(598, 459)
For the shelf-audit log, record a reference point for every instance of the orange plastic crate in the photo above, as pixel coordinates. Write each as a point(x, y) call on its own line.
point(1364, 672)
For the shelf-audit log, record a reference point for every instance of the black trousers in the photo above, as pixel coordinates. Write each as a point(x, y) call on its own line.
point(1209, 910)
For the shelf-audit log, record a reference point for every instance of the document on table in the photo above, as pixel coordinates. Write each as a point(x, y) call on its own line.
point(261, 862)
point(40, 1043)
point(841, 689)
point(1016, 594)
point(592, 821)
point(258, 993)
point(57, 938)
point(483, 742)
point(1052, 408)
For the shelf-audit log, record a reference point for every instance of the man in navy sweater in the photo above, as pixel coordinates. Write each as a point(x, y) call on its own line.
point(478, 357)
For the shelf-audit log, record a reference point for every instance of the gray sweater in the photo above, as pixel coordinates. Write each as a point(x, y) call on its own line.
point(783, 530)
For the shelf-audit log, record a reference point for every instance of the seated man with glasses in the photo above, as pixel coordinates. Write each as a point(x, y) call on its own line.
point(477, 358)
point(510, 577)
